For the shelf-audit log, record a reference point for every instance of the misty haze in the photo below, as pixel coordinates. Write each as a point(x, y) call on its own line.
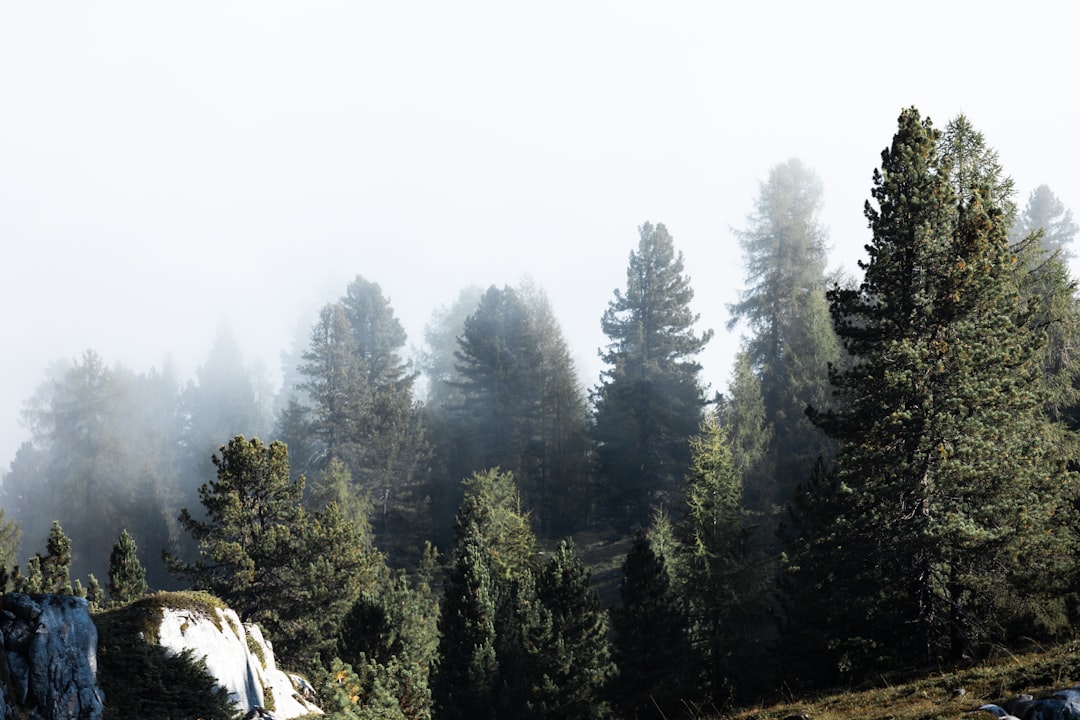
point(534, 304)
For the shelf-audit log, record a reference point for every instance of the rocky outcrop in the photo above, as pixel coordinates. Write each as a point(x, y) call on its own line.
point(1059, 705)
point(50, 653)
point(51, 659)
point(241, 660)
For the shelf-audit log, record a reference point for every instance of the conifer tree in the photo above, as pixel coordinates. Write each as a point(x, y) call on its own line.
point(650, 398)
point(571, 669)
point(973, 167)
point(792, 341)
point(127, 577)
point(1043, 236)
point(56, 563)
point(722, 574)
point(490, 621)
point(10, 536)
point(296, 573)
point(393, 449)
point(652, 651)
point(518, 404)
point(354, 404)
point(467, 673)
point(95, 596)
point(946, 480)
point(334, 375)
point(390, 635)
point(741, 412)
point(1045, 215)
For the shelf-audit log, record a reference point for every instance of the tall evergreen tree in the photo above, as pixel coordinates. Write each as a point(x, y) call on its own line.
point(571, 670)
point(498, 361)
point(1043, 235)
point(947, 480)
point(650, 398)
point(127, 577)
point(1047, 216)
point(56, 562)
point(101, 455)
point(334, 375)
point(467, 671)
point(722, 573)
point(741, 412)
point(559, 477)
point(490, 623)
point(792, 340)
point(519, 404)
point(394, 450)
point(657, 668)
point(297, 573)
point(355, 404)
point(10, 535)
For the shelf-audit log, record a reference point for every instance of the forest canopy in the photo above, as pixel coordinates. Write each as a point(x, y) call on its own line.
point(887, 481)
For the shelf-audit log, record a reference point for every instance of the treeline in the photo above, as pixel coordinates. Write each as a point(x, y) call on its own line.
point(887, 483)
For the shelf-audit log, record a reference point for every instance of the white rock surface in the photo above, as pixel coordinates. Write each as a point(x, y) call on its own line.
point(246, 676)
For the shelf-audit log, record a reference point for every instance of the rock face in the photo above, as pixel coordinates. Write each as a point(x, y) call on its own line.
point(1060, 705)
point(50, 650)
point(240, 659)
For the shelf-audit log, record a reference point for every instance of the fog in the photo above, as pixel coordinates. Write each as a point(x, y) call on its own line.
point(165, 168)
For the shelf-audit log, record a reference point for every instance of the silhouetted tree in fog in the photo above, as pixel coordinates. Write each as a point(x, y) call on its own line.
point(650, 399)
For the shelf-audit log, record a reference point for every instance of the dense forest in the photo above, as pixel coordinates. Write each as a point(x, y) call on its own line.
point(887, 482)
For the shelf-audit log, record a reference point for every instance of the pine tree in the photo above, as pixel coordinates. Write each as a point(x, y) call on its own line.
point(656, 663)
point(498, 361)
point(467, 673)
point(294, 572)
point(334, 381)
point(741, 412)
point(390, 634)
point(973, 167)
point(571, 669)
point(394, 452)
point(792, 340)
point(56, 563)
point(559, 481)
point(650, 398)
point(10, 535)
point(519, 405)
point(1042, 237)
point(127, 577)
point(492, 513)
point(946, 481)
point(95, 597)
point(722, 574)
point(1045, 215)
point(490, 619)
point(354, 403)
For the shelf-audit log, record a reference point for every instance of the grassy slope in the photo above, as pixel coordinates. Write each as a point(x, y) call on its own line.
point(928, 697)
point(931, 696)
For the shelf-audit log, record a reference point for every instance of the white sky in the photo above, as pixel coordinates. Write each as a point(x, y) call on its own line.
point(165, 167)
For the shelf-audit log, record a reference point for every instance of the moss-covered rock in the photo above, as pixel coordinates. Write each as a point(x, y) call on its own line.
point(140, 678)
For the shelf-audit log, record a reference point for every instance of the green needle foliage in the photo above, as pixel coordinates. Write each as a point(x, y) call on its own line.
point(948, 521)
point(127, 577)
point(650, 399)
point(657, 667)
point(572, 666)
point(294, 572)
